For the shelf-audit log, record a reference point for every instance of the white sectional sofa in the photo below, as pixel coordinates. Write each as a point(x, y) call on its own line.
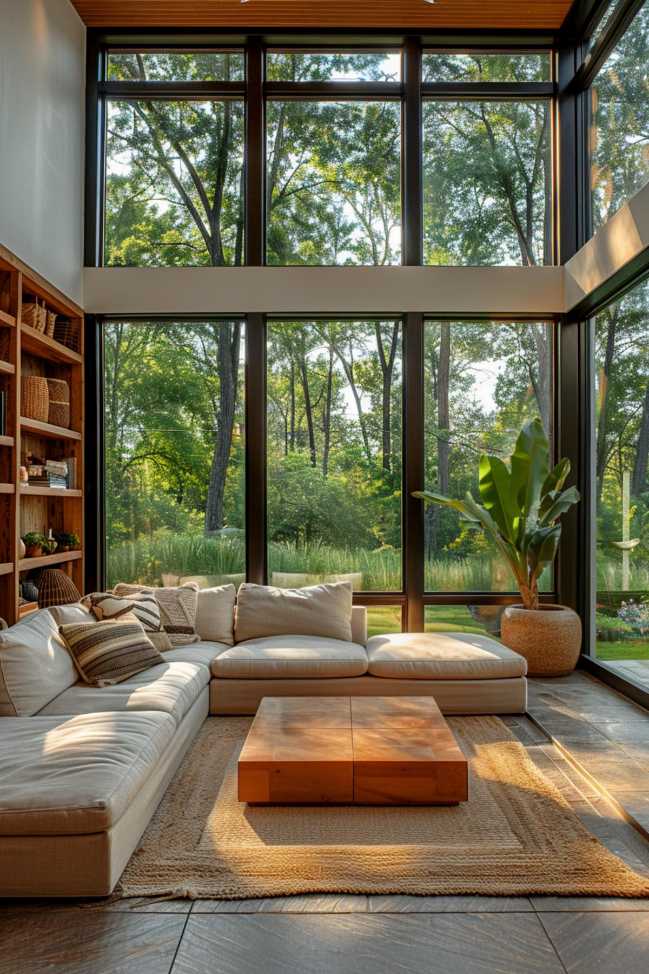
point(82, 769)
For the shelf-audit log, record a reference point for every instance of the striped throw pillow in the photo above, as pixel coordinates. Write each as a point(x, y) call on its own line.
point(105, 606)
point(105, 653)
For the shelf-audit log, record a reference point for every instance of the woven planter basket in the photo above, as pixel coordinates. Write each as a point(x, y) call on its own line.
point(56, 588)
point(35, 398)
point(59, 405)
point(67, 333)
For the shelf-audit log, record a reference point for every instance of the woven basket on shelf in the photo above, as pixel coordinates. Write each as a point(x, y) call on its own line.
point(34, 314)
point(59, 405)
point(35, 398)
point(51, 324)
point(67, 333)
point(56, 588)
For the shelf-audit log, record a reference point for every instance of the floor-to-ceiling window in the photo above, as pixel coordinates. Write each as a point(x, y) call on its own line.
point(331, 153)
point(621, 480)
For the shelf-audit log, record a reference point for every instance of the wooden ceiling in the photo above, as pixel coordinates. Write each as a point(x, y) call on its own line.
point(400, 14)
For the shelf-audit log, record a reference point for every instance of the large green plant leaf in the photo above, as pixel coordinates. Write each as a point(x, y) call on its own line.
point(556, 478)
point(557, 504)
point(530, 463)
point(430, 497)
point(497, 496)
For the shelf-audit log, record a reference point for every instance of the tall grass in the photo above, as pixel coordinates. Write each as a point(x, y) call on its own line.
point(147, 559)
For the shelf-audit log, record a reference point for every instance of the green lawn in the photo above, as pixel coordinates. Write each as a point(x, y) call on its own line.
point(439, 618)
point(624, 649)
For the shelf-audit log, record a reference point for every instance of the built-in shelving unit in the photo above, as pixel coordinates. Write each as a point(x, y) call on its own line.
point(25, 507)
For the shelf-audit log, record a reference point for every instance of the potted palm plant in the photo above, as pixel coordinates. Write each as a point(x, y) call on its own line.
point(521, 506)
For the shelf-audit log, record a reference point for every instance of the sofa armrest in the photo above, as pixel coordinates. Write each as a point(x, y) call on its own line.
point(359, 624)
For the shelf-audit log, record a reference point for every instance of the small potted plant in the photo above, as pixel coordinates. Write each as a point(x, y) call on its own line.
point(67, 540)
point(522, 504)
point(34, 543)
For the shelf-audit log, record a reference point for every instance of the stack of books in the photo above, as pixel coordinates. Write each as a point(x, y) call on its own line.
point(53, 473)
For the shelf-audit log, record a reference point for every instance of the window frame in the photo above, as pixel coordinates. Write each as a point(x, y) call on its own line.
point(255, 90)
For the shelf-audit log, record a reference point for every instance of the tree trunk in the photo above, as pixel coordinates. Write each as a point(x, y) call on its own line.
point(292, 407)
point(308, 408)
point(228, 337)
point(387, 373)
point(639, 479)
point(326, 415)
point(443, 414)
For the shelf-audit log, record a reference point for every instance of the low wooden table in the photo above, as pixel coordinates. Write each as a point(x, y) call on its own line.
point(351, 750)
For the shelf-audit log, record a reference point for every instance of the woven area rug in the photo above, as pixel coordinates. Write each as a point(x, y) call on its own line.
point(516, 835)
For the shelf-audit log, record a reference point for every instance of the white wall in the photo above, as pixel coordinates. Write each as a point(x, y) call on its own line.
point(42, 72)
point(348, 290)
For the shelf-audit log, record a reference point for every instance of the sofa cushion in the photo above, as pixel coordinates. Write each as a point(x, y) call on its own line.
point(291, 657)
point(215, 614)
point(442, 656)
point(35, 666)
point(318, 610)
point(178, 608)
point(73, 775)
point(170, 688)
point(109, 652)
point(63, 615)
point(203, 653)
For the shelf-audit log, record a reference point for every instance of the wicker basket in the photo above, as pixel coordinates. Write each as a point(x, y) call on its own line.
point(51, 324)
point(56, 588)
point(66, 332)
point(34, 315)
point(59, 405)
point(35, 398)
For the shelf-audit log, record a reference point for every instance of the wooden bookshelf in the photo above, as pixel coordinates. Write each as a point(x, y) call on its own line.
point(26, 507)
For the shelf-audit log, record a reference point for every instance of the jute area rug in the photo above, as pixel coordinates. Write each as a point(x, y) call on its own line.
point(516, 835)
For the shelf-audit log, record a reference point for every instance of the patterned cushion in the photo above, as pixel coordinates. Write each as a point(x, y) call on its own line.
point(107, 607)
point(178, 610)
point(105, 653)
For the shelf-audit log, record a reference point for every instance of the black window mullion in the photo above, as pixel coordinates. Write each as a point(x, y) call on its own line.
point(255, 156)
point(256, 486)
point(413, 473)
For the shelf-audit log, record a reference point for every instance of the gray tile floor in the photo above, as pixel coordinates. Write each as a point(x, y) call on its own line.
point(596, 730)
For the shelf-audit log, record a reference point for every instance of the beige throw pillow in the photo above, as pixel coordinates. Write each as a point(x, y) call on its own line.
point(106, 653)
point(107, 607)
point(178, 609)
point(215, 616)
point(319, 610)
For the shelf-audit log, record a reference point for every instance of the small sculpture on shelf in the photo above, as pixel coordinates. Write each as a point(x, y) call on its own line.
point(51, 544)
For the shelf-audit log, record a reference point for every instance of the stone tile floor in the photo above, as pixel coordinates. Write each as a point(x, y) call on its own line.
point(596, 730)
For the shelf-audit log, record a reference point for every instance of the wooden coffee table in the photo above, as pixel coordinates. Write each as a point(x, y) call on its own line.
point(351, 750)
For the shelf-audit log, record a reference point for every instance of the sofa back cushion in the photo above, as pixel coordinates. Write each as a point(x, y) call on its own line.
point(214, 609)
point(35, 666)
point(318, 610)
point(178, 606)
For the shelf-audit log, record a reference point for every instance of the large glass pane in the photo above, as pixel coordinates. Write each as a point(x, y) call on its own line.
point(621, 348)
point(334, 453)
point(483, 380)
point(487, 183)
point(339, 66)
point(620, 122)
point(174, 481)
point(481, 619)
point(176, 66)
point(174, 183)
point(333, 182)
point(480, 67)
